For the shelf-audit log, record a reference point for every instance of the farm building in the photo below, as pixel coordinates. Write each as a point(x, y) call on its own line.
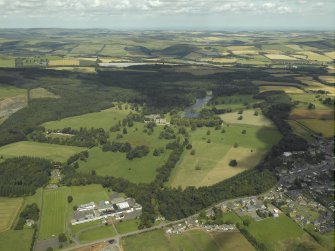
point(119, 208)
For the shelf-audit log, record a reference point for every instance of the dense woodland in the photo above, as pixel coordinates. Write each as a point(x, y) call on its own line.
point(159, 91)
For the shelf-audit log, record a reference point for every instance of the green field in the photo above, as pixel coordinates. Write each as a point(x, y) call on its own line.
point(127, 226)
point(9, 208)
point(41, 93)
point(117, 165)
point(326, 127)
point(54, 212)
point(97, 233)
point(273, 232)
point(42, 150)
point(234, 102)
point(11, 91)
point(248, 118)
point(300, 130)
point(209, 165)
point(104, 119)
point(7, 62)
point(306, 98)
point(16, 240)
point(192, 240)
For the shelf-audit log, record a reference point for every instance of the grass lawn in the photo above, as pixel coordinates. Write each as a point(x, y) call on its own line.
point(97, 233)
point(271, 231)
point(103, 119)
point(9, 208)
point(11, 240)
point(149, 241)
point(231, 217)
point(127, 226)
point(248, 118)
point(41, 93)
point(232, 241)
point(116, 164)
point(42, 150)
point(210, 164)
point(7, 91)
point(76, 228)
point(326, 127)
point(54, 210)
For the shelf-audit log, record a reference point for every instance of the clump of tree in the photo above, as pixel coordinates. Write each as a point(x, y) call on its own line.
point(78, 156)
point(138, 152)
point(233, 163)
point(167, 133)
point(30, 212)
point(117, 147)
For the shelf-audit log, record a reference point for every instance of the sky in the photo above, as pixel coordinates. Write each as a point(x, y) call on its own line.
point(170, 14)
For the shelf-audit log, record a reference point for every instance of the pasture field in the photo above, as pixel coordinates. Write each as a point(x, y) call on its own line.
point(16, 240)
point(41, 93)
point(315, 56)
point(9, 208)
point(272, 231)
point(97, 233)
point(117, 165)
point(113, 50)
point(127, 226)
point(63, 62)
point(268, 83)
point(149, 241)
point(287, 89)
point(294, 47)
point(245, 52)
point(326, 127)
point(221, 60)
point(104, 119)
point(34, 149)
point(241, 47)
point(7, 91)
point(279, 57)
point(306, 98)
point(234, 102)
point(87, 49)
point(299, 130)
point(88, 193)
point(192, 240)
point(54, 211)
point(325, 239)
point(6, 62)
point(257, 60)
point(210, 164)
point(249, 118)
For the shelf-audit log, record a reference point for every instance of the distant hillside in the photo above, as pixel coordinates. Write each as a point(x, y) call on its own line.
point(179, 50)
point(139, 50)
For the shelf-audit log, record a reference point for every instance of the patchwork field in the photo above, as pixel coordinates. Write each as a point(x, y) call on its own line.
point(328, 79)
point(315, 56)
point(192, 240)
point(63, 62)
point(210, 164)
point(103, 119)
point(117, 165)
point(35, 149)
point(9, 208)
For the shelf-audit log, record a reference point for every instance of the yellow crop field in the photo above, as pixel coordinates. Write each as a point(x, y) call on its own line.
point(223, 60)
point(245, 52)
point(248, 118)
point(287, 89)
point(64, 62)
point(328, 79)
point(316, 56)
point(241, 47)
point(279, 57)
point(330, 54)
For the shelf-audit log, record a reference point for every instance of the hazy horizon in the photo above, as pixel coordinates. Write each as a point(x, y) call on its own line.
point(299, 15)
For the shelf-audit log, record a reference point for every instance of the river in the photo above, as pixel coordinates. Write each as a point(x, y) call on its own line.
point(192, 111)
